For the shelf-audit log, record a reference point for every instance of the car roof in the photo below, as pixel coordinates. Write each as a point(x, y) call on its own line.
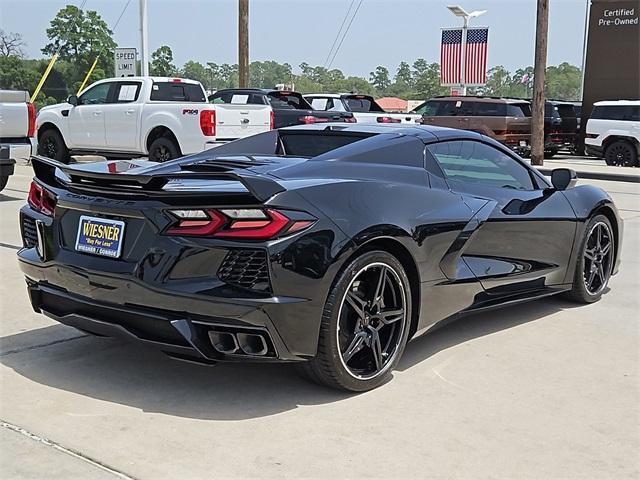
point(479, 99)
point(265, 91)
point(154, 79)
point(426, 133)
point(618, 102)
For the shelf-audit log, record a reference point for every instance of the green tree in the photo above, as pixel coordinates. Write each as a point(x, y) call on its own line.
point(161, 62)
point(268, 74)
point(380, 78)
point(563, 82)
point(80, 37)
point(403, 75)
point(499, 82)
point(426, 80)
point(197, 71)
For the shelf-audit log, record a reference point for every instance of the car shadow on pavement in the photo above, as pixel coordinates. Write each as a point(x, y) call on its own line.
point(134, 375)
point(8, 198)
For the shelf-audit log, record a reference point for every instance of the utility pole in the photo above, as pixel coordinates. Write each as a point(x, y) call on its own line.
point(243, 43)
point(463, 56)
point(144, 40)
point(539, 71)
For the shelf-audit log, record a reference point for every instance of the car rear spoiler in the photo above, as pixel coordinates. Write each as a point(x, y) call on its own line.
point(260, 186)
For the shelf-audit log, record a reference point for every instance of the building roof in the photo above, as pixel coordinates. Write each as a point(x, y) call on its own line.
point(391, 104)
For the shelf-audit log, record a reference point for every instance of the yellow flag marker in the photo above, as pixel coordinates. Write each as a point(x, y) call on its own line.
point(86, 79)
point(44, 77)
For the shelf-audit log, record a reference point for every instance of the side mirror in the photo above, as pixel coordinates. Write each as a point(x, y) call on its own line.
point(563, 178)
point(73, 100)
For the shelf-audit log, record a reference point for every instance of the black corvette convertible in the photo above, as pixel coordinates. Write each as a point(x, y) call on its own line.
point(326, 245)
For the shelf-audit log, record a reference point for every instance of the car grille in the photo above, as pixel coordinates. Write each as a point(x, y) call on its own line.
point(29, 232)
point(246, 269)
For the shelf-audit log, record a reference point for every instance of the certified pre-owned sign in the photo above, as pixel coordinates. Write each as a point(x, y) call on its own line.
point(125, 60)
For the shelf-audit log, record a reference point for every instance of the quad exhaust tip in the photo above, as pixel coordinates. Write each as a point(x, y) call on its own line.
point(235, 343)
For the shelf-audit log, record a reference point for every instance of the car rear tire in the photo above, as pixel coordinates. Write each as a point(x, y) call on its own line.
point(621, 152)
point(595, 261)
point(365, 325)
point(3, 182)
point(163, 149)
point(51, 145)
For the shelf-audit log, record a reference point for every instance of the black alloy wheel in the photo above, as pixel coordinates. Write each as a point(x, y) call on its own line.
point(365, 325)
point(51, 145)
point(163, 149)
point(595, 261)
point(372, 317)
point(621, 153)
point(598, 256)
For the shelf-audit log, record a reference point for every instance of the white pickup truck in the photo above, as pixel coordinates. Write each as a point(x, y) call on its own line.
point(17, 131)
point(364, 107)
point(128, 117)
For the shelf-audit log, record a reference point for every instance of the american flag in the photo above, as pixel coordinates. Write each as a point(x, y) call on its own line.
point(475, 56)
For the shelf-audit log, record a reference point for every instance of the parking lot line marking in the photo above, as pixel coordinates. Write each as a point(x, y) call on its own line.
point(8, 245)
point(66, 450)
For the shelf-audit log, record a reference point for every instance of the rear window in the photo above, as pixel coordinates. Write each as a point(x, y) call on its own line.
point(177, 92)
point(616, 112)
point(288, 100)
point(314, 144)
point(362, 104)
point(491, 109)
point(518, 110)
point(428, 109)
point(567, 111)
point(237, 98)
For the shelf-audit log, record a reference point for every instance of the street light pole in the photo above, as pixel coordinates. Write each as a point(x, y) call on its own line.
point(144, 40)
point(458, 11)
point(463, 54)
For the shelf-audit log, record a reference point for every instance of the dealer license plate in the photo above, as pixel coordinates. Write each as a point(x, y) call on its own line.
point(100, 236)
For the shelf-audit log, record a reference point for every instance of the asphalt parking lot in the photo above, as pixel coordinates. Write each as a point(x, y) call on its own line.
point(547, 389)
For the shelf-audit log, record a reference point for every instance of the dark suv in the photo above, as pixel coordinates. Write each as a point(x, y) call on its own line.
point(504, 119)
point(560, 127)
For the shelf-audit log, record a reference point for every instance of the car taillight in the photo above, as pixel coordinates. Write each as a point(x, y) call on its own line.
point(272, 120)
point(236, 223)
point(351, 120)
point(309, 119)
point(387, 120)
point(208, 122)
point(41, 199)
point(31, 111)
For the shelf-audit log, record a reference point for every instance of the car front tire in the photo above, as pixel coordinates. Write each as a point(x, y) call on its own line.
point(51, 145)
point(3, 182)
point(365, 325)
point(595, 261)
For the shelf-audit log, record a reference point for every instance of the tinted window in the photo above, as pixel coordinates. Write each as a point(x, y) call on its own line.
point(127, 92)
point(566, 111)
point(314, 144)
point(328, 104)
point(490, 109)
point(288, 100)
point(177, 92)
point(428, 109)
point(362, 103)
point(237, 98)
point(95, 95)
point(518, 110)
point(616, 112)
point(474, 162)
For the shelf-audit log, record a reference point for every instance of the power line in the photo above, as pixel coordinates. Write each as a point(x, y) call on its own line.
point(115, 25)
point(345, 33)
point(335, 40)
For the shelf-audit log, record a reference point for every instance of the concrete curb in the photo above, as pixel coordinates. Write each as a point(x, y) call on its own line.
point(613, 177)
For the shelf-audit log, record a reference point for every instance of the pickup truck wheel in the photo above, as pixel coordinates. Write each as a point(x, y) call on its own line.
point(622, 153)
point(51, 145)
point(3, 182)
point(163, 149)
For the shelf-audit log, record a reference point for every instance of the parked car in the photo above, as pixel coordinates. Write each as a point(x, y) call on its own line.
point(364, 107)
point(325, 245)
point(17, 131)
point(613, 132)
point(289, 108)
point(560, 127)
point(163, 118)
point(503, 119)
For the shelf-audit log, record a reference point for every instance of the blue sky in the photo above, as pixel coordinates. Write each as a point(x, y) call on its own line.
point(384, 32)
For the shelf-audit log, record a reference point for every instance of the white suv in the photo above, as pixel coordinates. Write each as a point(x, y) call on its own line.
point(613, 132)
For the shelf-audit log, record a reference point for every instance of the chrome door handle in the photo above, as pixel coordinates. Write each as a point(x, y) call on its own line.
point(97, 114)
point(129, 112)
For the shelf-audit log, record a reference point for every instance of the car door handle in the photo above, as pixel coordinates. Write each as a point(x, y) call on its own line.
point(129, 112)
point(97, 114)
